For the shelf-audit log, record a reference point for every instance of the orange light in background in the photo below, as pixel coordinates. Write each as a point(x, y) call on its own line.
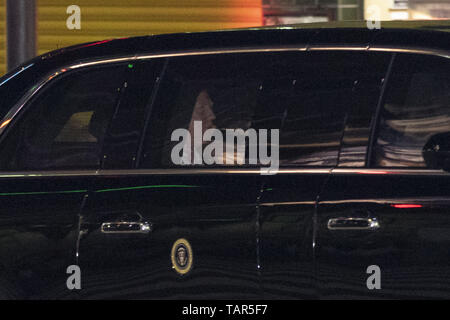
point(237, 14)
point(5, 123)
point(103, 19)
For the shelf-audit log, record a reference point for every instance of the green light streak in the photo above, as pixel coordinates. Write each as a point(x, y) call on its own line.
point(39, 192)
point(102, 190)
point(149, 187)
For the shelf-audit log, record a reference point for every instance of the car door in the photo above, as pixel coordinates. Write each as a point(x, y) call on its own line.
point(153, 229)
point(315, 108)
point(383, 228)
point(49, 159)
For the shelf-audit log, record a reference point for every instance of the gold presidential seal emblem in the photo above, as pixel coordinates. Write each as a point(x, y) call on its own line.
point(181, 256)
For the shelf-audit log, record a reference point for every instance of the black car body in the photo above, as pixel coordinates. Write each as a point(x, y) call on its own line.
point(364, 119)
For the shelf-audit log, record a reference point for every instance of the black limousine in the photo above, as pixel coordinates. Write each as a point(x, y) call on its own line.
point(97, 198)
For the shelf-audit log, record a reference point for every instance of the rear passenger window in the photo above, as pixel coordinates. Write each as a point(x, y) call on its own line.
point(64, 126)
point(303, 95)
point(417, 108)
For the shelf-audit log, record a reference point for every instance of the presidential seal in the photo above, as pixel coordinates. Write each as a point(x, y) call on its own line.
point(181, 256)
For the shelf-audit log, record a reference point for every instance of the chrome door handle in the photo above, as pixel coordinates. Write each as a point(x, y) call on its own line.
point(353, 224)
point(126, 227)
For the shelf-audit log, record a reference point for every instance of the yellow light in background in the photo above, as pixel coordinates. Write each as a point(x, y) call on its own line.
point(2, 37)
point(420, 16)
point(105, 19)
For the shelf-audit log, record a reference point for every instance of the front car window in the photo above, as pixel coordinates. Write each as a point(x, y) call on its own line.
point(64, 125)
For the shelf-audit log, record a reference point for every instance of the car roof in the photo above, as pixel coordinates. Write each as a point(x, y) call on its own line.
point(436, 25)
point(433, 35)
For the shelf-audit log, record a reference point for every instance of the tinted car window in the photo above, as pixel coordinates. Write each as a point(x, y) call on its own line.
point(417, 108)
point(304, 95)
point(64, 126)
point(367, 92)
point(121, 144)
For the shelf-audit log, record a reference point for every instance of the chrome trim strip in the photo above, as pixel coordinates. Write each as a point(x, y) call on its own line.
point(389, 201)
point(388, 171)
point(292, 203)
point(200, 171)
point(193, 171)
point(337, 48)
point(16, 108)
point(221, 51)
point(413, 50)
point(50, 173)
point(206, 171)
point(137, 172)
point(180, 171)
point(418, 50)
point(87, 64)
